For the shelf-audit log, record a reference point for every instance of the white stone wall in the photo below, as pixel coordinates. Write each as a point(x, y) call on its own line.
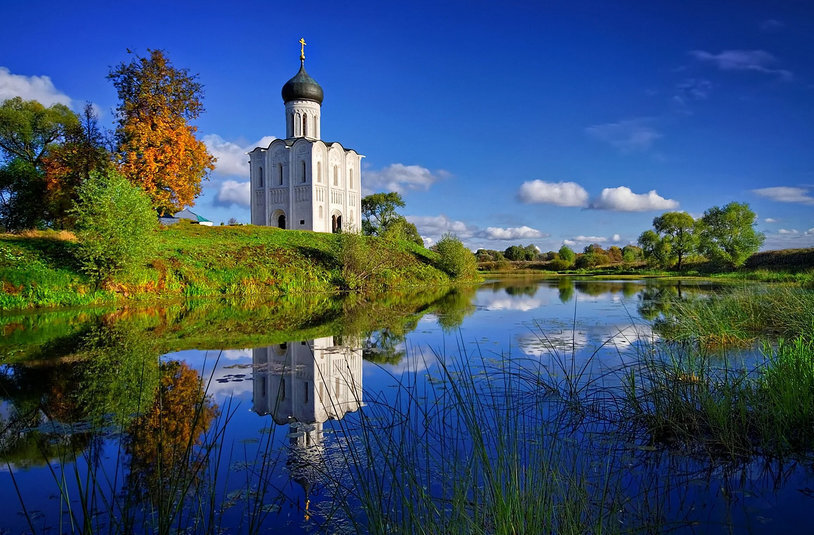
point(304, 179)
point(302, 119)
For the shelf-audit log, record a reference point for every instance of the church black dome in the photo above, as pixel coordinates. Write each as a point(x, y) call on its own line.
point(302, 87)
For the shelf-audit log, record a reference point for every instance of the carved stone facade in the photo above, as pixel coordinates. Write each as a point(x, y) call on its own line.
point(302, 182)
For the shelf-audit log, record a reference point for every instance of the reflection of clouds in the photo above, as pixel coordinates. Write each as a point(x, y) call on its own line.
point(625, 337)
point(237, 354)
point(504, 301)
point(553, 341)
point(621, 337)
point(416, 359)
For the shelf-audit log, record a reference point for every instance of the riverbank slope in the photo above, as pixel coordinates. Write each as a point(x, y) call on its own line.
point(38, 269)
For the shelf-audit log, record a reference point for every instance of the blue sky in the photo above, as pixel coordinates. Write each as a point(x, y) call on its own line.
point(503, 122)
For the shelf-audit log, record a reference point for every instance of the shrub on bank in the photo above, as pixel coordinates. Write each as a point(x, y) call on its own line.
point(115, 223)
point(455, 258)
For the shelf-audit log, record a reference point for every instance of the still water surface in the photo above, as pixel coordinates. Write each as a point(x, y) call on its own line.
point(317, 413)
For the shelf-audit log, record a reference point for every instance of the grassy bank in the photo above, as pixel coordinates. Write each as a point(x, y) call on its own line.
point(39, 269)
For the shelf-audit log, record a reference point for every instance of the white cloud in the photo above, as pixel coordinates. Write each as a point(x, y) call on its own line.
point(743, 60)
point(616, 238)
point(788, 231)
point(558, 193)
point(233, 192)
point(691, 90)
point(786, 194)
point(622, 199)
point(435, 226)
point(628, 136)
point(512, 233)
point(578, 240)
point(39, 88)
point(810, 232)
point(233, 159)
point(399, 178)
point(770, 220)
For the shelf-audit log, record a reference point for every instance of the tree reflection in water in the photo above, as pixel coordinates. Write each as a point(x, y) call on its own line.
point(163, 443)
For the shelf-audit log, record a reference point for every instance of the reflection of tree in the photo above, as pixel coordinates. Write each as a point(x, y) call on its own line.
point(384, 347)
point(41, 399)
point(120, 371)
point(655, 301)
point(454, 307)
point(565, 285)
point(529, 289)
point(163, 442)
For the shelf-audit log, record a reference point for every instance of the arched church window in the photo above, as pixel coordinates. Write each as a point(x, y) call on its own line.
point(260, 177)
point(319, 171)
point(280, 173)
point(281, 221)
point(320, 212)
point(336, 175)
point(303, 170)
point(350, 178)
point(304, 124)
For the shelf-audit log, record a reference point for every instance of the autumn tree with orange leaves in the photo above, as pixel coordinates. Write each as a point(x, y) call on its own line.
point(157, 147)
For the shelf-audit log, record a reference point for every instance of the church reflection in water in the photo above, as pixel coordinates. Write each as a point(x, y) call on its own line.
point(304, 384)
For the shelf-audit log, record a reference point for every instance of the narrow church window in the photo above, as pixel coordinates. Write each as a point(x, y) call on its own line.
point(305, 125)
point(281, 221)
point(280, 172)
point(303, 171)
point(302, 221)
point(319, 171)
point(260, 178)
point(336, 176)
point(350, 178)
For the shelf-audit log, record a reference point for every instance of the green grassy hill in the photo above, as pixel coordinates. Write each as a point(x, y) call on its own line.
point(38, 268)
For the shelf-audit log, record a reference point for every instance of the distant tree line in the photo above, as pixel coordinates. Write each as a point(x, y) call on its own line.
point(724, 236)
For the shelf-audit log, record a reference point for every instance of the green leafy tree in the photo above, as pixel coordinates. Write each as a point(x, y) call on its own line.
point(401, 229)
point(22, 189)
point(567, 255)
point(679, 229)
point(115, 224)
point(456, 259)
point(655, 249)
point(631, 253)
point(379, 212)
point(28, 131)
point(66, 166)
point(727, 235)
point(514, 253)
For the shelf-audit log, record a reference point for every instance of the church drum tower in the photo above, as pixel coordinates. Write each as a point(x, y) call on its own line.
point(302, 182)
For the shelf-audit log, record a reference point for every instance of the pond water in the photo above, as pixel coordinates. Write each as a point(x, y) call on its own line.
point(471, 410)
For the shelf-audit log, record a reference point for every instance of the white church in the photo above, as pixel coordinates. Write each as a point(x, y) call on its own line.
point(302, 182)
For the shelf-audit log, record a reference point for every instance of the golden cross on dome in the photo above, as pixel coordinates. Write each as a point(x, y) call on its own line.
point(302, 49)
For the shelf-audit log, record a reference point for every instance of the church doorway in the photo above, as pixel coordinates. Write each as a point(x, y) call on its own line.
point(277, 219)
point(336, 223)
